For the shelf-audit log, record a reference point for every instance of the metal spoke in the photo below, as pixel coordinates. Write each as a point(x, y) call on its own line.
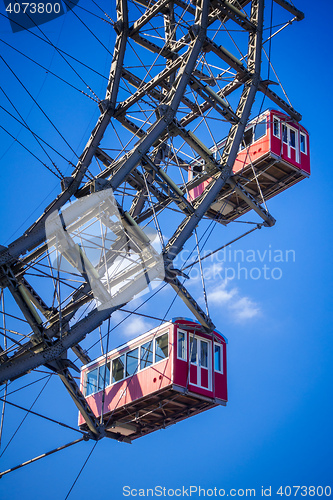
point(173, 93)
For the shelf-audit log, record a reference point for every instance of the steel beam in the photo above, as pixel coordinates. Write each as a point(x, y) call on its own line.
point(96, 430)
point(167, 184)
point(186, 228)
point(230, 11)
point(151, 12)
point(168, 88)
point(191, 303)
point(244, 194)
point(35, 235)
point(72, 336)
point(291, 8)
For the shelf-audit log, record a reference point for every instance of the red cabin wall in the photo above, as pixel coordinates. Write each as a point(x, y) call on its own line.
point(143, 383)
point(219, 380)
point(180, 370)
point(160, 375)
point(265, 145)
point(251, 154)
point(197, 191)
point(124, 392)
point(279, 148)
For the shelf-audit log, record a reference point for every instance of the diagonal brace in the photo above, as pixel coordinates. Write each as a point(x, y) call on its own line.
point(191, 303)
point(252, 202)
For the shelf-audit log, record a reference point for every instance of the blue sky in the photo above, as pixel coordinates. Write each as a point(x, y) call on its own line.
point(276, 429)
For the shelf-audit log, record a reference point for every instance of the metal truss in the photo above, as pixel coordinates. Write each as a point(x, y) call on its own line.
point(189, 93)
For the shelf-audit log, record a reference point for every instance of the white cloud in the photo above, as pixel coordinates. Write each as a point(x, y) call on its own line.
point(230, 299)
point(117, 316)
point(221, 295)
point(244, 309)
point(135, 326)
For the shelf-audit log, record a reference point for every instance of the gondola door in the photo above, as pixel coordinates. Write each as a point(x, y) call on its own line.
point(290, 142)
point(200, 362)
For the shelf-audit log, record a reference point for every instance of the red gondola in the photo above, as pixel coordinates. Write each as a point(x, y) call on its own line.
point(274, 154)
point(157, 379)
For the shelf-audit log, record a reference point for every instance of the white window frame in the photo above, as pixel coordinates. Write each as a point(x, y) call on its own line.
point(292, 129)
point(185, 335)
point(290, 147)
point(86, 382)
point(140, 346)
point(289, 128)
point(221, 359)
point(242, 145)
point(192, 336)
point(98, 368)
point(197, 362)
point(155, 339)
point(305, 143)
point(287, 140)
point(275, 118)
point(112, 360)
point(263, 119)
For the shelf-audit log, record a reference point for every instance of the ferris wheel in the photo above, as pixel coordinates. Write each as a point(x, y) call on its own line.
point(179, 140)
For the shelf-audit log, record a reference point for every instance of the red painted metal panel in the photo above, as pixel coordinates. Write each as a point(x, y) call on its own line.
point(205, 377)
point(221, 386)
point(193, 374)
point(160, 375)
point(264, 145)
point(300, 160)
point(180, 372)
point(197, 191)
point(180, 366)
point(141, 384)
point(201, 391)
point(252, 153)
point(220, 379)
